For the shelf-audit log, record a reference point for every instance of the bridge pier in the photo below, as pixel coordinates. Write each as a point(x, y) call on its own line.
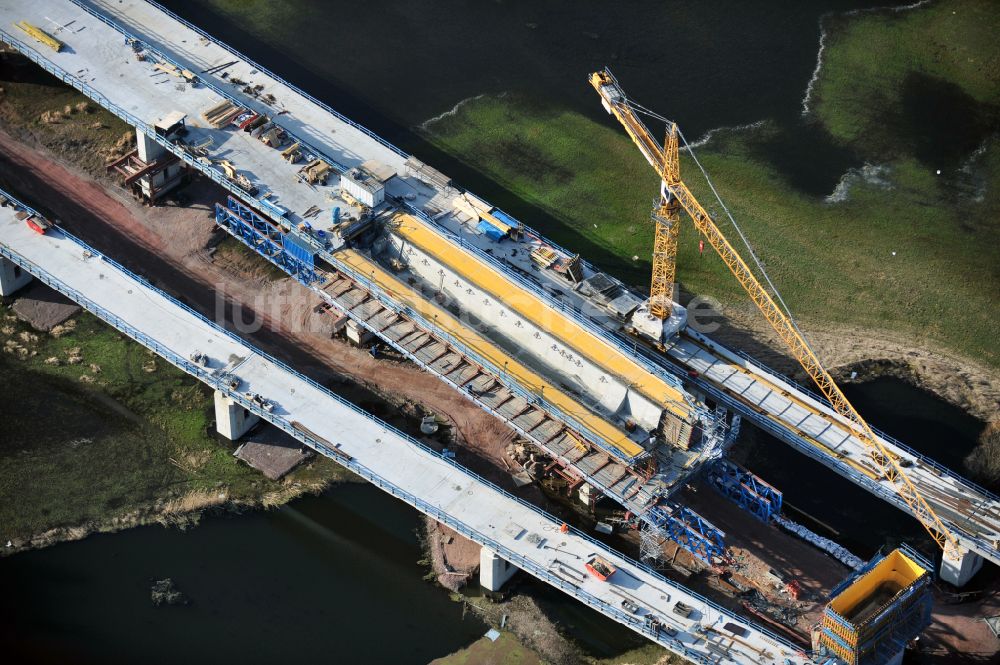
point(958, 569)
point(493, 570)
point(231, 419)
point(12, 277)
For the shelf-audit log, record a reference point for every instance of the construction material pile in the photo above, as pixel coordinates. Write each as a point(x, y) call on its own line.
point(837, 551)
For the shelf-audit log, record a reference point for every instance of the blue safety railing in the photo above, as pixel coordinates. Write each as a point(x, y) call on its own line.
point(625, 343)
point(633, 503)
point(104, 19)
point(888, 438)
point(218, 382)
point(64, 76)
point(791, 437)
point(232, 188)
point(306, 145)
point(640, 499)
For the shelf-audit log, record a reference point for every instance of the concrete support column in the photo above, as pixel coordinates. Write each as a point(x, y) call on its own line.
point(231, 419)
point(493, 571)
point(958, 568)
point(12, 277)
point(149, 149)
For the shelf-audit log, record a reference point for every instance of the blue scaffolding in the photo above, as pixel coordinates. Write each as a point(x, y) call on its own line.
point(689, 530)
point(284, 251)
point(745, 489)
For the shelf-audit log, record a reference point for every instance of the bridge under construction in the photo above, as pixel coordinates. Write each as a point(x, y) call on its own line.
point(526, 329)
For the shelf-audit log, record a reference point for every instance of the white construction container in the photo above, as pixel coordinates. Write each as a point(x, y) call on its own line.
point(362, 185)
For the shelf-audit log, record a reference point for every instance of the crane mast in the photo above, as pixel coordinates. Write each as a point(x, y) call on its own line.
point(674, 192)
point(666, 215)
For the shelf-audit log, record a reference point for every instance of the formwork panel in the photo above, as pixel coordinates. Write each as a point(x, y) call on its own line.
point(512, 407)
point(383, 320)
point(352, 298)
point(399, 330)
point(367, 310)
point(491, 393)
point(546, 430)
point(447, 363)
point(529, 420)
point(896, 569)
point(413, 342)
point(432, 351)
point(609, 474)
point(464, 374)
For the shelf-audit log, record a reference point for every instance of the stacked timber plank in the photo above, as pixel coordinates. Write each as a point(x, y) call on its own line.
point(221, 114)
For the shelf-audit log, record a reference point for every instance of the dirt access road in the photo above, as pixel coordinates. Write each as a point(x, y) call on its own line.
point(168, 245)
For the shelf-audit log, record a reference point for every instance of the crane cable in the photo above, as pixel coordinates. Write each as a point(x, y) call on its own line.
point(753, 254)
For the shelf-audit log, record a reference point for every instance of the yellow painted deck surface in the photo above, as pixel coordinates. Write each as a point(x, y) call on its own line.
point(552, 321)
point(527, 378)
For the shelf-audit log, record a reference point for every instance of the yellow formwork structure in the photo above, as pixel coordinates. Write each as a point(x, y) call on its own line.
point(40, 35)
point(528, 379)
point(878, 612)
point(896, 569)
point(533, 309)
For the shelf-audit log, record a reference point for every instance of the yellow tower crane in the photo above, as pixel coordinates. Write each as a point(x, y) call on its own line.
point(675, 195)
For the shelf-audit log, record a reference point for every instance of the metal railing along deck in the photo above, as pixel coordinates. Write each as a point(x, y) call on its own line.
point(218, 382)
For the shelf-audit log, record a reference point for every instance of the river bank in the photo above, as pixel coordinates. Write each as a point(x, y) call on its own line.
point(107, 436)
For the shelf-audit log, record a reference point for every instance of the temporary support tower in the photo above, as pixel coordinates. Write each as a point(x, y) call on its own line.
point(689, 530)
point(264, 238)
point(745, 489)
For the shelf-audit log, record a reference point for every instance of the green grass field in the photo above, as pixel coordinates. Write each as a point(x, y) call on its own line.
point(61, 118)
point(116, 432)
point(877, 67)
point(916, 255)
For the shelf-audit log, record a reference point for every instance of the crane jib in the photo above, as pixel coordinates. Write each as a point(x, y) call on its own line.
point(665, 161)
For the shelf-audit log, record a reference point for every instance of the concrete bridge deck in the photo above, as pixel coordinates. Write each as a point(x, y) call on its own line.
point(515, 370)
point(98, 62)
point(534, 308)
point(516, 531)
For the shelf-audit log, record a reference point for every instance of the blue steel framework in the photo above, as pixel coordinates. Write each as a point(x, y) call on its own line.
point(689, 530)
point(654, 362)
point(745, 489)
point(219, 383)
point(263, 238)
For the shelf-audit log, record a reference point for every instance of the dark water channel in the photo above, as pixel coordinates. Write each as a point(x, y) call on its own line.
point(393, 65)
point(857, 519)
point(327, 579)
